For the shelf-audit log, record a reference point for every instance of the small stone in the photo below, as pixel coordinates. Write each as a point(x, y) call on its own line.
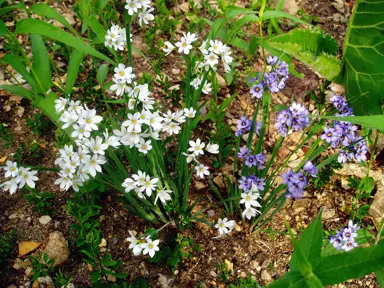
point(12, 216)
point(57, 248)
point(44, 220)
point(345, 184)
point(221, 80)
point(165, 281)
point(294, 164)
point(265, 263)
point(219, 180)
point(200, 185)
point(211, 213)
point(175, 71)
point(328, 213)
point(103, 243)
point(254, 264)
point(300, 205)
point(102, 218)
point(213, 274)
point(339, 5)
point(111, 278)
point(29, 271)
point(243, 274)
point(265, 276)
point(338, 18)
point(184, 7)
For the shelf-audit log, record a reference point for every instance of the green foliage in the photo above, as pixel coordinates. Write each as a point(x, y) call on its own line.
point(6, 135)
point(308, 268)
point(363, 54)
point(372, 121)
point(39, 124)
point(42, 202)
point(324, 175)
point(42, 266)
point(7, 243)
point(60, 280)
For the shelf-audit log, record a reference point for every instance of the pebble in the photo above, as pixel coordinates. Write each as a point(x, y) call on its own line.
point(45, 219)
point(175, 71)
point(57, 248)
point(243, 274)
point(265, 276)
point(111, 278)
point(29, 271)
point(338, 18)
point(328, 213)
point(13, 216)
point(254, 264)
point(213, 274)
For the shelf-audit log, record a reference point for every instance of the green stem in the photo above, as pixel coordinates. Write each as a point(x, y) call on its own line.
point(127, 20)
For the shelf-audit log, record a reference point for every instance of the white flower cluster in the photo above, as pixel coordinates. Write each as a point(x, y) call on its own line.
point(184, 45)
point(143, 8)
point(249, 199)
point(116, 38)
point(212, 51)
point(122, 79)
point(77, 166)
point(142, 183)
point(139, 246)
point(19, 177)
point(224, 226)
point(197, 149)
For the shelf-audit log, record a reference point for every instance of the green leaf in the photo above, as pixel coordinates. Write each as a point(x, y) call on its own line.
point(348, 265)
point(280, 14)
point(3, 29)
point(372, 121)
point(101, 4)
point(47, 106)
point(41, 65)
point(233, 11)
point(380, 278)
point(311, 47)
point(97, 28)
point(239, 43)
point(20, 68)
point(52, 32)
point(363, 56)
point(102, 73)
point(17, 90)
point(237, 25)
point(367, 184)
point(73, 70)
point(45, 10)
point(7, 9)
point(289, 280)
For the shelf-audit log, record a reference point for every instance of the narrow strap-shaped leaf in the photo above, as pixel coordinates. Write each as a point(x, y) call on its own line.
point(372, 121)
point(96, 27)
point(240, 23)
point(3, 29)
point(40, 64)
point(73, 70)
point(45, 10)
point(10, 8)
point(12, 60)
point(281, 14)
point(17, 90)
point(52, 32)
point(47, 106)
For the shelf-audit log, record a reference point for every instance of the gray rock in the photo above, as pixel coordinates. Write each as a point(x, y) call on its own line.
point(45, 219)
point(338, 18)
point(57, 248)
point(339, 5)
point(165, 281)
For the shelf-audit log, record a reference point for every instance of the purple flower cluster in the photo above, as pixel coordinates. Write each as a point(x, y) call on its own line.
point(298, 181)
point(274, 80)
point(244, 126)
point(345, 237)
point(251, 160)
point(341, 134)
point(247, 183)
point(294, 117)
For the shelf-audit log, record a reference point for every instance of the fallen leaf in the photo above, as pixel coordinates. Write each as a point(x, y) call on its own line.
point(16, 99)
point(27, 247)
point(35, 284)
point(2, 159)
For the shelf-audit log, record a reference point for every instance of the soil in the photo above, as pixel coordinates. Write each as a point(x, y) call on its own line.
point(248, 253)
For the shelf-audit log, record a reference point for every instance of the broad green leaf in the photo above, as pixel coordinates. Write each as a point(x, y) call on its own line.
point(380, 277)
point(363, 57)
point(12, 60)
point(10, 8)
point(101, 4)
point(52, 32)
point(280, 14)
point(289, 280)
point(3, 29)
point(47, 106)
point(45, 10)
point(102, 73)
point(239, 43)
point(311, 47)
point(17, 90)
point(236, 26)
point(97, 28)
point(309, 246)
point(372, 121)
point(73, 70)
point(352, 264)
point(41, 65)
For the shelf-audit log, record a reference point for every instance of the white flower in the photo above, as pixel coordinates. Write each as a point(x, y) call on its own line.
point(163, 195)
point(149, 185)
point(155, 121)
point(119, 86)
point(111, 140)
point(216, 46)
point(143, 146)
point(60, 104)
point(68, 118)
point(133, 123)
point(224, 226)
point(132, 6)
point(190, 113)
point(145, 15)
point(93, 165)
point(97, 145)
point(185, 42)
point(135, 244)
point(196, 83)
point(207, 88)
point(150, 247)
point(172, 128)
point(190, 157)
point(116, 38)
point(129, 185)
point(169, 48)
point(211, 59)
point(64, 181)
point(80, 131)
point(11, 169)
point(196, 147)
point(212, 148)
point(124, 73)
point(139, 178)
point(250, 200)
point(10, 185)
point(201, 170)
point(250, 212)
point(90, 119)
point(203, 47)
point(75, 106)
point(145, 3)
point(27, 177)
